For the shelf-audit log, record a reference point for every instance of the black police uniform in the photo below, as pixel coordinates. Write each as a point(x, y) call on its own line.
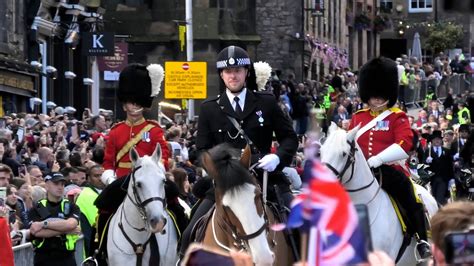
point(261, 117)
point(53, 251)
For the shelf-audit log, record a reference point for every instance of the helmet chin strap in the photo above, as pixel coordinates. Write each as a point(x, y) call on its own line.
point(379, 107)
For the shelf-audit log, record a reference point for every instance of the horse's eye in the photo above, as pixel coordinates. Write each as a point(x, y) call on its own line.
point(139, 185)
point(344, 154)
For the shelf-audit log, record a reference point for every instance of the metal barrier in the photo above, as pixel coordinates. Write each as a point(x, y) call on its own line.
point(416, 94)
point(24, 254)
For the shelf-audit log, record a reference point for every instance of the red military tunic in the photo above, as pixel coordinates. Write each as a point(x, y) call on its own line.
point(395, 128)
point(146, 134)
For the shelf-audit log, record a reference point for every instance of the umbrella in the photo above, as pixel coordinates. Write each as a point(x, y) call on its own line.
point(416, 48)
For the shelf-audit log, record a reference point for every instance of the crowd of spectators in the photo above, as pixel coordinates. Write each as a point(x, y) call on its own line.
point(34, 146)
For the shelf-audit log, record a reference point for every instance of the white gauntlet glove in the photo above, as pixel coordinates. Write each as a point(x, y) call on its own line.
point(269, 162)
point(108, 176)
point(429, 159)
point(391, 154)
point(374, 161)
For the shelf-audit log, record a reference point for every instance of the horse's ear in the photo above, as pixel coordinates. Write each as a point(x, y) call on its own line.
point(332, 128)
point(352, 133)
point(133, 155)
point(245, 158)
point(156, 156)
point(209, 164)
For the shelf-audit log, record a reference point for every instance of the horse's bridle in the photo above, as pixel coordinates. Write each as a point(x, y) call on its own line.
point(350, 163)
point(137, 201)
point(139, 249)
point(239, 239)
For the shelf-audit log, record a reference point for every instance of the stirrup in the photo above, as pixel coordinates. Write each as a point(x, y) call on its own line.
point(417, 255)
point(90, 261)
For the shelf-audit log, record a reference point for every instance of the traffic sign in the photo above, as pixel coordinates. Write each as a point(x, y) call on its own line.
point(185, 80)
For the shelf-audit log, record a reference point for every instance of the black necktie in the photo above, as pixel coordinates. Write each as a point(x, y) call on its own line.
point(238, 110)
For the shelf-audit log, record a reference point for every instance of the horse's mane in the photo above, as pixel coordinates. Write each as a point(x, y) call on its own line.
point(335, 142)
point(227, 164)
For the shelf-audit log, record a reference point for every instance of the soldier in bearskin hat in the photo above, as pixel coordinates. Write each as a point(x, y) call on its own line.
point(138, 85)
point(258, 115)
point(385, 137)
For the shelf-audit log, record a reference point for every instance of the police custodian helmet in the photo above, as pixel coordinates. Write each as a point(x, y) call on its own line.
point(379, 78)
point(139, 84)
point(234, 56)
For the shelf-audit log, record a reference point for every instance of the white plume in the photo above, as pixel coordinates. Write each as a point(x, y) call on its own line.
point(156, 73)
point(263, 72)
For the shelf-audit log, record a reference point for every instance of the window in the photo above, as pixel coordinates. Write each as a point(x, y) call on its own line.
point(420, 6)
point(386, 6)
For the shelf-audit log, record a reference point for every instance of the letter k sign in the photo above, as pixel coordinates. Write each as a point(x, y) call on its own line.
point(96, 41)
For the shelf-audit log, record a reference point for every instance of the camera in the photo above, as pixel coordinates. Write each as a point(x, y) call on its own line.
point(69, 75)
point(459, 247)
point(88, 81)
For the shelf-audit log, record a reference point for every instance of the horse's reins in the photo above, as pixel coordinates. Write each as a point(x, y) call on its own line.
point(139, 249)
point(239, 240)
point(350, 163)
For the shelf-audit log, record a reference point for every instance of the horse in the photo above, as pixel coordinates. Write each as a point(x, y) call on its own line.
point(341, 152)
point(240, 219)
point(141, 215)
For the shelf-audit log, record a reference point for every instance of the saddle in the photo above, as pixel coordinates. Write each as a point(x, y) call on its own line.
point(199, 229)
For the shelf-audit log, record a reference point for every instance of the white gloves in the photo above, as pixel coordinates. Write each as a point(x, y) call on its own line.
point(108, 176)
point(456, 156)
point(374, 161)
point(391, 154)
point(269, 162)
point(429, 159)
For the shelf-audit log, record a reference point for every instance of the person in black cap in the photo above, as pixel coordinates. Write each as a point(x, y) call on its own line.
point(259, 116)
point(54, 228)
point(385, 138)
point(440, 162)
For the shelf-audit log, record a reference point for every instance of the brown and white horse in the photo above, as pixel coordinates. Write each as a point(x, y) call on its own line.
point(240, 220)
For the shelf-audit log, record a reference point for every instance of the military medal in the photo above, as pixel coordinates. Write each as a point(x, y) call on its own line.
point(146, 136)
point(260, 118)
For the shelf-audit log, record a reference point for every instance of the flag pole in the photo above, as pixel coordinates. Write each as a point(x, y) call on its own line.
point(304, 247)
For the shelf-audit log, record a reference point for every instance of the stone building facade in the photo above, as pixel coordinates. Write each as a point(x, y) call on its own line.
point(280, 26)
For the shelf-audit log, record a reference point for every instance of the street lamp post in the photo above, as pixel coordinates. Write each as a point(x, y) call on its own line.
point(189, 48)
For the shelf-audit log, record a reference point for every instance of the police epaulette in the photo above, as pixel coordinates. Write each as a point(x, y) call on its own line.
point(215, 98)
point(117, 124)
point(362, 110)
point(267, 93)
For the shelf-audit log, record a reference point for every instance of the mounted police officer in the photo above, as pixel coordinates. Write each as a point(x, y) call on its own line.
point(55, 225)
point(385, 138)
point(239, 116)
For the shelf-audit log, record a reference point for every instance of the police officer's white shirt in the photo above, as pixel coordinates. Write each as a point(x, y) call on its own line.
point(241, 96)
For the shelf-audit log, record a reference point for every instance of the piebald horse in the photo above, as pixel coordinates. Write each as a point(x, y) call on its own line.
point(142, 214)
point(342, 153)
point(240, 220)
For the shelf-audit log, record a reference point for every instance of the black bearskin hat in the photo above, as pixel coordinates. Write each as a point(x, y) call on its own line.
point(234, 56)
point(138, 84)
point(379, 78)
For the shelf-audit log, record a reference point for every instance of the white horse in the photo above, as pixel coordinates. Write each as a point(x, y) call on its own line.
point(363, 188)
point(141, 215)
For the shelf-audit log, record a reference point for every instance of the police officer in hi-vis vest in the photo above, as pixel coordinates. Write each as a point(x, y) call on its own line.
point(55, 225)
point(389, 140)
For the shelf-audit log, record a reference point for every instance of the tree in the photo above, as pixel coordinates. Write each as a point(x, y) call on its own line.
point(444, 36)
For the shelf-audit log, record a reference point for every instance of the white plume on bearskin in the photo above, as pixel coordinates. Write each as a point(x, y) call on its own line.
point(156, 73)
point(263, 72)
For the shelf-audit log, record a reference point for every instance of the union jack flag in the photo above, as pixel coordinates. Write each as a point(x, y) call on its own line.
point(324, 205)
